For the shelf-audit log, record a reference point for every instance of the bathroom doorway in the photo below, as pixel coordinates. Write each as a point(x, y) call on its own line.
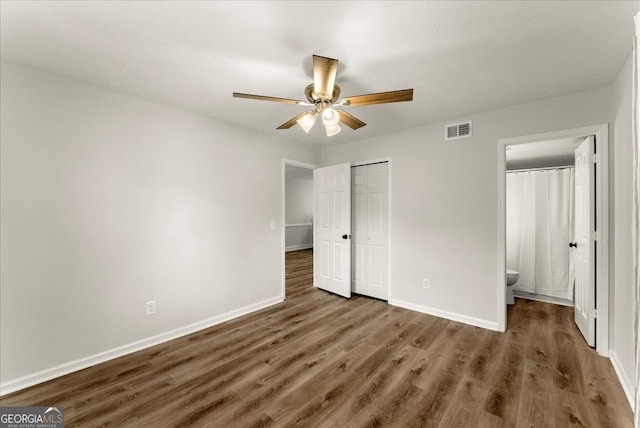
point(540, 212)
point(536, 195)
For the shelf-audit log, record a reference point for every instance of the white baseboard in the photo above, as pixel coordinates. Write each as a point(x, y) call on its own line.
point(477, 322)
point(627, 385)
point(298, 247)
point(82, 363)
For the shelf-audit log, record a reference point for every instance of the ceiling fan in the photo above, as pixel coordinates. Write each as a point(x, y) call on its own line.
point(324, 95)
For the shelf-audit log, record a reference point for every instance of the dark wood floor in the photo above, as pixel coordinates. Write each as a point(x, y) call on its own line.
point(318, 360)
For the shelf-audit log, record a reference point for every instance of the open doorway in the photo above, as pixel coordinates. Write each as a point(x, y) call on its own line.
point(297, 221)
point(546, 157)
point(540, 218)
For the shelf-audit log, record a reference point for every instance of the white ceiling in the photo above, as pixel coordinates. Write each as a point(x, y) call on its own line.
point(460, 57)
point(543, 154)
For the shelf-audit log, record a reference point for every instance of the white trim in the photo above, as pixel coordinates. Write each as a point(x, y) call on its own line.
point(283, 245)
point(298, 247)
point(389, 202)
point(627, 385)
point(602, 221)
point(299, 164)
point(502, 238)
point(602, 226)
point(445, 314)
point(82, 363)
point(371, 161)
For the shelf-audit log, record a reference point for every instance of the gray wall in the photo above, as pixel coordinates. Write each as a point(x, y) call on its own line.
point(621, 328)
point(299, 196)
point(298, 208)
point(108, 201)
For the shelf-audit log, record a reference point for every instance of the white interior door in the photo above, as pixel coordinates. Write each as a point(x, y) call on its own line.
point(584, 304)
point(332, 229)
point(369, 186)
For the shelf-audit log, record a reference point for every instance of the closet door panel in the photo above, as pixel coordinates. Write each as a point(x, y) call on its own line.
point(359, 229)
point(370, 230)
point(377, 196)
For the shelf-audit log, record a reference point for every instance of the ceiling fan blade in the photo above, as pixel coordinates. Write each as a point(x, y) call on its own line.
point(324, 76)
point(288, 124)
point(265, 98)
point(378, 98)
point(350, 120)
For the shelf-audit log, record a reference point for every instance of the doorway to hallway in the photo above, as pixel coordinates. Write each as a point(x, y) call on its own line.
point(297, 214)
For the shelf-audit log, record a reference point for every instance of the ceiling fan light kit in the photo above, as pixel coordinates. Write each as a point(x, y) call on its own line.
point(306, 122)
point(324, 94)
point(332, 130)
point(331, 118)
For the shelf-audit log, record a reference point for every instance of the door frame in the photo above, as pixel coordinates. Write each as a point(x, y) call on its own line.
point(602, 223)
point(389, 201)
point(283, 222)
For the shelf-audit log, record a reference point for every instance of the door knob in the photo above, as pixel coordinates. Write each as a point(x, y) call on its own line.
point(345, 236)
point(573, 244)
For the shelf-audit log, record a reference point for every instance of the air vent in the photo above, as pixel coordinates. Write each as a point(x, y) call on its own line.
point(456, 131)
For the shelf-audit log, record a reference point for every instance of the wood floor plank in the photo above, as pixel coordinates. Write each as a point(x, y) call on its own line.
point(606, 402)
point(302, 405)
point(319, 360)
point(571, 410)
point(537, 398)
point(439, 396)
point(393, 375)
point(568, 376)
point(463, 412)
point(272, 390)
point(503, 399)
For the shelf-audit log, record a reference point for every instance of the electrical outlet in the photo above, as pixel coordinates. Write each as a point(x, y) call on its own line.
point(425, 282)
point(272, 225)
point(151, 307)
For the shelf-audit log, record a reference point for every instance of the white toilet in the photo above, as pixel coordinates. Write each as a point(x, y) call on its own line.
point(512, 278)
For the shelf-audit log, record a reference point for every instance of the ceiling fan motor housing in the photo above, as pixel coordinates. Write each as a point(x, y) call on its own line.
point(313, 97)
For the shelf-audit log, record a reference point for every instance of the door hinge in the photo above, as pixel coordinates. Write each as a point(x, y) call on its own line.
point(594, 158)
point(594, 235)
point(593, 313)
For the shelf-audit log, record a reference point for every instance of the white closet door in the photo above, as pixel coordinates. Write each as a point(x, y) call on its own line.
point(369, 227)
point(332, 255)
